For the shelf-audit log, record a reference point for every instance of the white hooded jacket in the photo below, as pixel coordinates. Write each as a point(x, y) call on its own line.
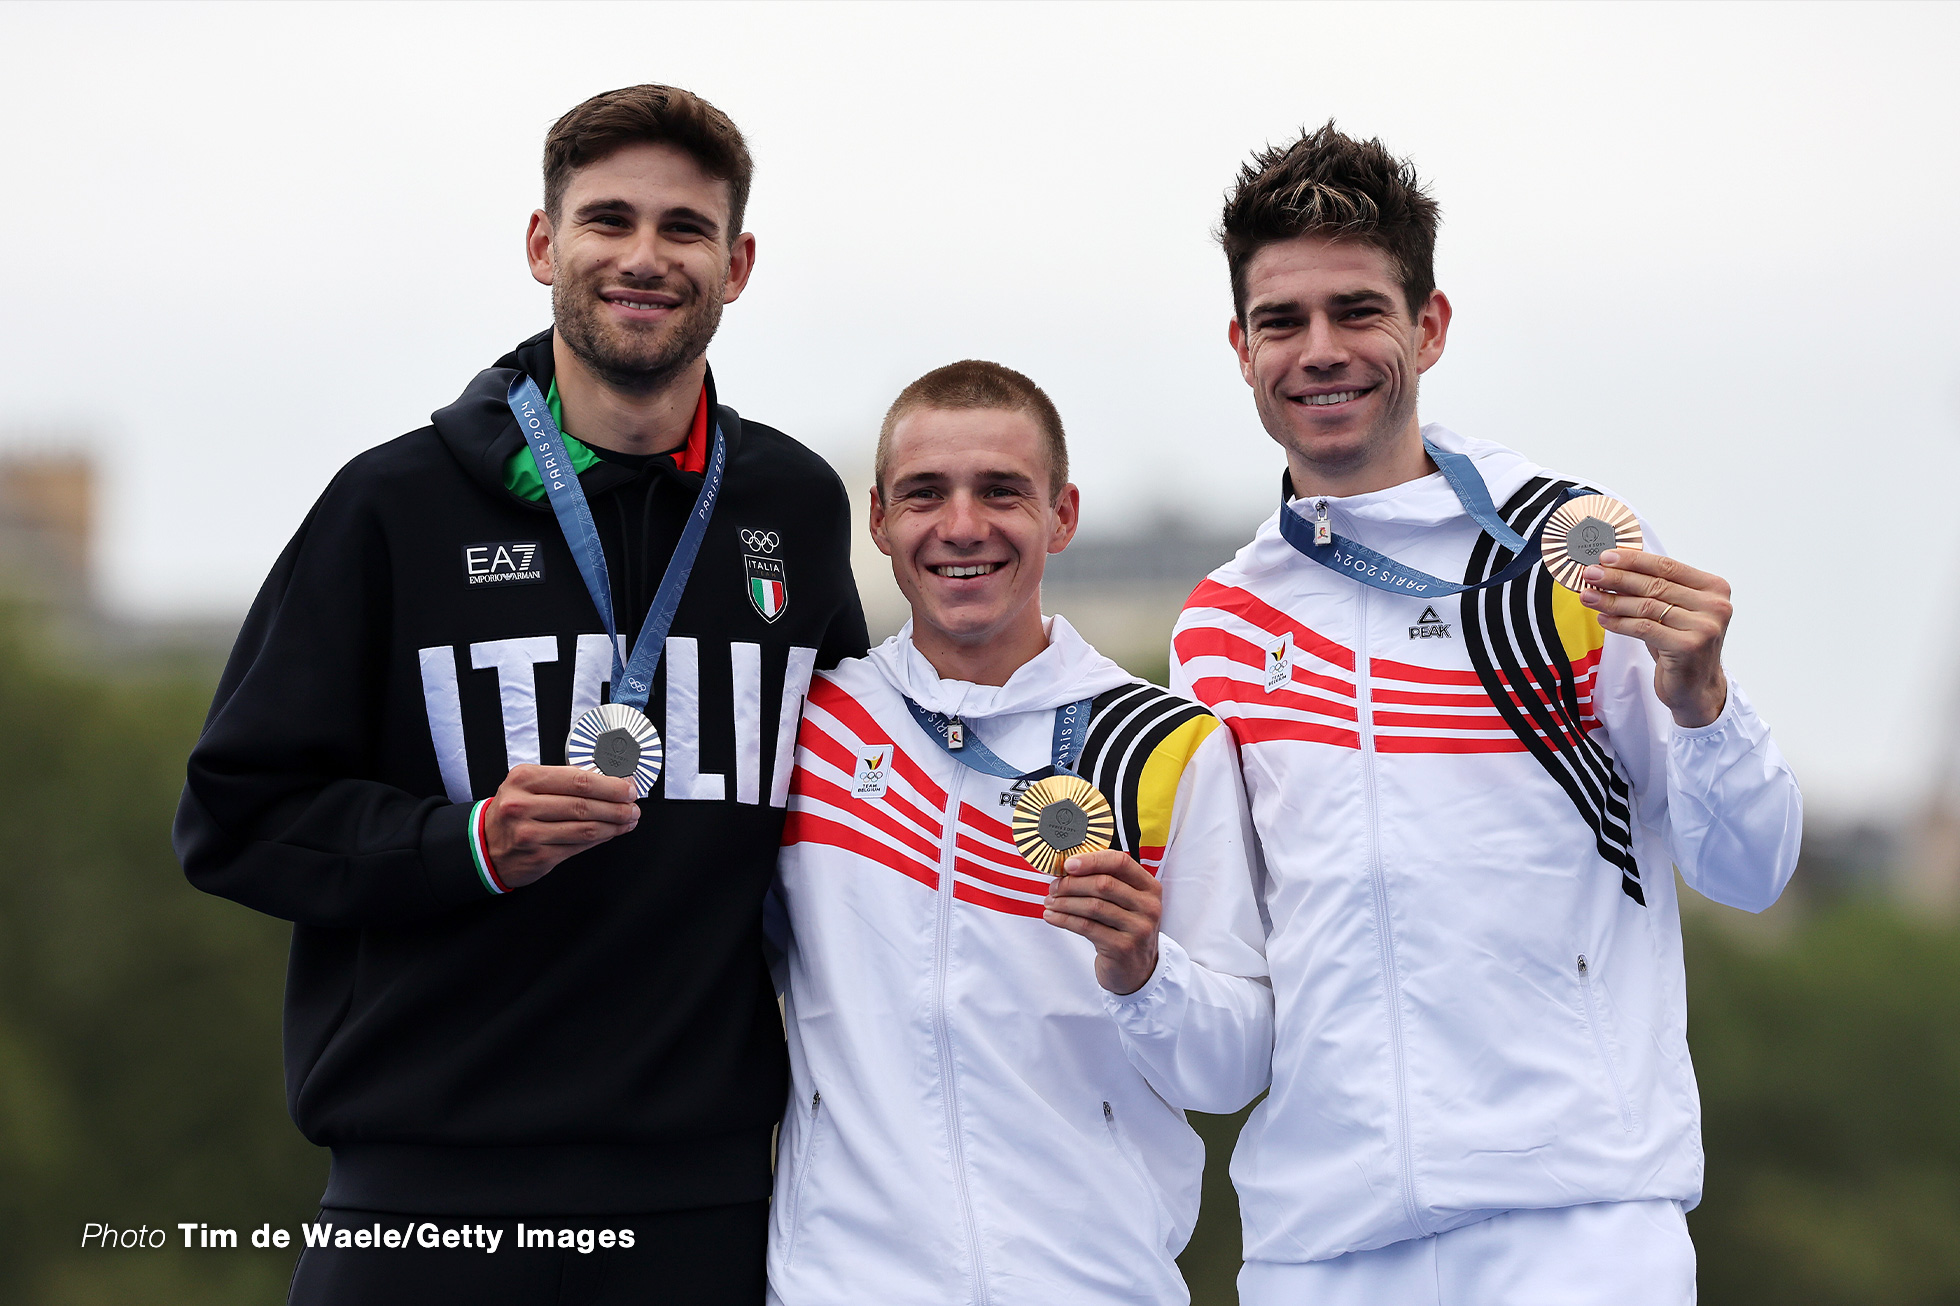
point(1469, 809)
point(965, 1124)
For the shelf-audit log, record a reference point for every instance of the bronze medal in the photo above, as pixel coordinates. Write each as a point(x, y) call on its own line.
point(1581, 529)
point(1057, 818)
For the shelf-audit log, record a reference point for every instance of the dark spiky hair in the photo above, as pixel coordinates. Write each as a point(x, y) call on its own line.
point(1329, 184)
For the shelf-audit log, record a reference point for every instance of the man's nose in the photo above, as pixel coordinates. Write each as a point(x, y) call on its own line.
point(962, 523)
point(1321, 350)
point(645, 256)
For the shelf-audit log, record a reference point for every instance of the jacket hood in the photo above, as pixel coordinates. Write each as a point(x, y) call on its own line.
point(1067, 670)
point(482, 434)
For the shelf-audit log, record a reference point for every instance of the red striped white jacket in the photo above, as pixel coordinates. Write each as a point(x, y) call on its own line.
point(972, 1119)
point(1468, 810)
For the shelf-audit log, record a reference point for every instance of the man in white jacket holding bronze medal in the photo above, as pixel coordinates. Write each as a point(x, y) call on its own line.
point(1473, 777)
point(991, 1044)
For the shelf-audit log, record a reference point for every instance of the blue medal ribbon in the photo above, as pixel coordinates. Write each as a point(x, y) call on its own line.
point(1071, 733)
point(1385, 573)
point(632, 680)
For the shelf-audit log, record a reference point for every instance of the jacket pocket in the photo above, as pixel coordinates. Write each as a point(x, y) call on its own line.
point(1121, 1143)
point(1609, 1056)
point(793, 1218)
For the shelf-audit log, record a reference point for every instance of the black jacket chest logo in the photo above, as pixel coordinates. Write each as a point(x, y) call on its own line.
point(768, 583)
point(512, 562)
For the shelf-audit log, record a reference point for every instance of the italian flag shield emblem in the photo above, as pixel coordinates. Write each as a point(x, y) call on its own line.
point(767, 588)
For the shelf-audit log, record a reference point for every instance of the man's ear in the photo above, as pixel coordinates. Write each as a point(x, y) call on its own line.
point(1432, 330)
point(878, 536)
point(1068, 514)
point(1236, 334)
point(537, 248)
point(741, 262)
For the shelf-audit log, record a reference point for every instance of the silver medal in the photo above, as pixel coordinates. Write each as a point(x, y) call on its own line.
point(613, 739)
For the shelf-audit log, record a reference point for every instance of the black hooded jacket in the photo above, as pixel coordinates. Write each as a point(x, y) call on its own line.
point(605, 1039)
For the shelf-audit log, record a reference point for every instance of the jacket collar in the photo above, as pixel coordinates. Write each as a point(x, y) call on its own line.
point(1066, 671)
point(481, 433)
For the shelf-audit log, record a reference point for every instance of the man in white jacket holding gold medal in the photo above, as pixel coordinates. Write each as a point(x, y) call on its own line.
point(990, 1065)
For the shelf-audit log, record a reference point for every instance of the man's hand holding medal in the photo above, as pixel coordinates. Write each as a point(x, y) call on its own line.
point(1679, 613)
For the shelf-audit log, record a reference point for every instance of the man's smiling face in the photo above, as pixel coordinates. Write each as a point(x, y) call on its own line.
point(968, 517)
point(1332, 352)
point(640, 263)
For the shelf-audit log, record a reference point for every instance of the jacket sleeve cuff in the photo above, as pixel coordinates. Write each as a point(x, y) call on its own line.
point(1146, 1012)
point(453, 860)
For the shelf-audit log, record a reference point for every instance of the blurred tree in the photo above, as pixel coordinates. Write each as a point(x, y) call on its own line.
point(139, 1020)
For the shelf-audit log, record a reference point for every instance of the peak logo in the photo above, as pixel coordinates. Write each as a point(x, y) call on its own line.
point(1429, 626)
point(870, 778)
point(512, 562)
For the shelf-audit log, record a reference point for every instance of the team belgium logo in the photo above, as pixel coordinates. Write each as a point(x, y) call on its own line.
point(768, 585)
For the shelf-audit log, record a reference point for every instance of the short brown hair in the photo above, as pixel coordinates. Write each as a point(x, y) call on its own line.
point(975, 383)
point(654, 115)
point(1329, 184)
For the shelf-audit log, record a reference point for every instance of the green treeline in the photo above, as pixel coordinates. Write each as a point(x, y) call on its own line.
point(140, 1066)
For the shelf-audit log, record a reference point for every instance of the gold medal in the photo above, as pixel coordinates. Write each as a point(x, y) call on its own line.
point(1059, 817)
point(1581, 529)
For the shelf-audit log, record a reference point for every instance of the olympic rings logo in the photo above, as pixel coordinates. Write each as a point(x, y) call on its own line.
point(760, 541)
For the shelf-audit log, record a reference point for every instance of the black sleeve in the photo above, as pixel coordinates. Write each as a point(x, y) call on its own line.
point(277, 811)
point(845, 637)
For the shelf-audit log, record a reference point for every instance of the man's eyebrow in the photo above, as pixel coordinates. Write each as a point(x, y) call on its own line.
point(680, 212)
point(1348, 298)
point(593, 208)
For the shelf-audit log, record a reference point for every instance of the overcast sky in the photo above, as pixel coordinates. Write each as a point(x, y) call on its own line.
point(1700, 253)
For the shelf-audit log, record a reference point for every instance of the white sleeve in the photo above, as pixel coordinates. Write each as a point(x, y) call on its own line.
point(1201, 1028)
point(1720, 796)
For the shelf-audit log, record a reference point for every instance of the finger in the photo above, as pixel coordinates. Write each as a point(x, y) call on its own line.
point(1638, 571)
point(560, 807)
point(557, 834)
point(1106, 939)
point(1118, 896)
point(573, 781)
point(1129, 923)
point(1118, 865)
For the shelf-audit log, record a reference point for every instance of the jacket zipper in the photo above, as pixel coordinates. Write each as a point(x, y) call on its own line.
point(1378, 881)
point(803, 1175)
point(1599, 1042)
point(1136, 1166)
point(943, 1027)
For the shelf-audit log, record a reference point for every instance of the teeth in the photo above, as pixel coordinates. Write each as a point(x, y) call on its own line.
point(1339, 397)
point(977, 569)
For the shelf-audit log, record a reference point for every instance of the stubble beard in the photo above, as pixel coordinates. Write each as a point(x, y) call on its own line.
point(634, 362)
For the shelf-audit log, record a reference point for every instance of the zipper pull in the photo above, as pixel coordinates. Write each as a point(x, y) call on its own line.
point(955, 734)
point(1323, 533)
point(816, 1100)
point(1582, 965)
point(1109, 1116)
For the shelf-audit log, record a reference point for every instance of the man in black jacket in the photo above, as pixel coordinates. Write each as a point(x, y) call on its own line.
point(539, 1075)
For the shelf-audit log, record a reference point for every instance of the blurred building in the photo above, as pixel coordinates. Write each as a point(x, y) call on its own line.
point(49, 493)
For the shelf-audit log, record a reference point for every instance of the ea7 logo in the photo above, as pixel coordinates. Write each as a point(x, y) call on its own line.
point(1429, 626)
point(509, 563)
point(869, 779)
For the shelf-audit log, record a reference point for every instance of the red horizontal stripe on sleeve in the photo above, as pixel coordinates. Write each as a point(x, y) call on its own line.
point(985, 824)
